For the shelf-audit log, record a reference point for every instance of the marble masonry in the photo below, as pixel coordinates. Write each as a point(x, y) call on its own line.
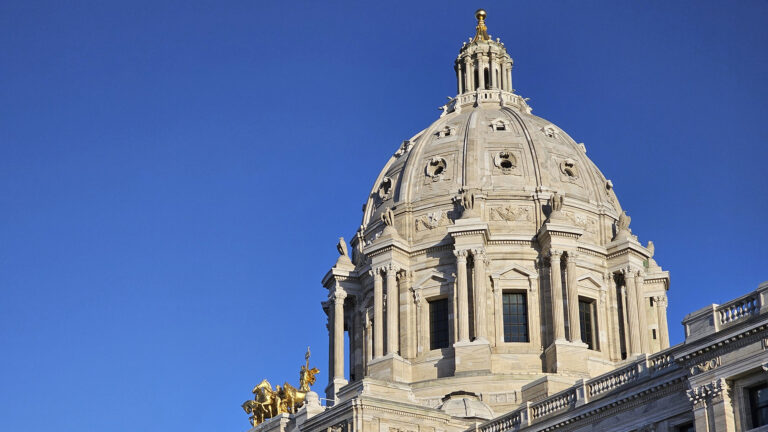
point(495, 284)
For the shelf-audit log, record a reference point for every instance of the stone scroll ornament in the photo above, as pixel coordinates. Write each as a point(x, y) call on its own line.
point(268, 402)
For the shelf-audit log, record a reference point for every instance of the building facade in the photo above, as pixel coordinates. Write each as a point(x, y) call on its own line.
point(495, 284)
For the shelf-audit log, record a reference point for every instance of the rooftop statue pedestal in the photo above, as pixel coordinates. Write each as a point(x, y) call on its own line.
point(390, 367)
point(567, 357)
point(332, 391)
point(472, 356)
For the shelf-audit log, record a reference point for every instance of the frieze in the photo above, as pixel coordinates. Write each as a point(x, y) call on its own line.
point(586, 223)
point(432, 220)
point(706, 366)
point(511, 213)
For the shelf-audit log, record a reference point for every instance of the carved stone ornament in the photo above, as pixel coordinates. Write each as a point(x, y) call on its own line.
point(385, 189)
point(446, 131)
point(587, 224)
point(569, 170)
point(505, 161)
point(405, 147)
point(341, 246)
point(511, 213)
point(706, 366)
point(550, 131)
point(432, 220)
point(623, 223)
point(388, 217)
point(556, 202)
point(704, 393)
point(435, 168)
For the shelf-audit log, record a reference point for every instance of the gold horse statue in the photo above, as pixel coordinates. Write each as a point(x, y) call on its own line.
point(268, 403)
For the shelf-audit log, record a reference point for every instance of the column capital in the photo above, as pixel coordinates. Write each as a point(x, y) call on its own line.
point(338, 296)
point(573, 256)
point(661, 300)
point(376, 271)
point(392, 268)
point(461, 254)
point(555, 253)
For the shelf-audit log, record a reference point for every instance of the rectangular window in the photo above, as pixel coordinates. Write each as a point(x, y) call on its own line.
point(515, 317)
point(758, 405)
point(587, 322)
point(438, 324)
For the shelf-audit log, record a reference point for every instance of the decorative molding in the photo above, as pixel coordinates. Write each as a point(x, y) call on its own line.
point(706, 366)
point(510, 213)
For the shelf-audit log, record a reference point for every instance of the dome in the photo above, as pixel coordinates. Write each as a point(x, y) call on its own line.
point(493, 258)
point(511, 158)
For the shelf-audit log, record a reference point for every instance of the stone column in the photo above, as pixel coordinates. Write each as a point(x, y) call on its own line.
point(612, 309)
point(368, 338)
point(481, 301)
point(534, 327)
point(509, 77)
point(338, 334)
point(328, 308)
point(635, 346)
point(462, 299)
point(393, 309)
point(722, 408)
point(602, 335)
point(556, 286)
point(624, 317)
point(458, 78)
point(378, 314)
point(469, 67)
point(481, 72)
point(498, 312)
point(467, 76)
point(407, 321)
point(661, 311)
point(573, 299)
point(492, 72)
point(642, 311)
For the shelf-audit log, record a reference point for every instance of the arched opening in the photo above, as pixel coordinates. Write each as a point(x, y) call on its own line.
point(486, 78)
point(477, 80)
point(497, 79)
point(463, 81)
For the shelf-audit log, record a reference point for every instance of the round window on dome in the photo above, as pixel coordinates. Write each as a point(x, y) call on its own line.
point(435, 168)
point(505, 161)
point(385, 189)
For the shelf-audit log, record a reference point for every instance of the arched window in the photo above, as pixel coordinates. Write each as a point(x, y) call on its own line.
point(487, 78)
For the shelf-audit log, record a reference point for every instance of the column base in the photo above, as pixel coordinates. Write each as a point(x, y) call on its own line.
point(332, 390)
point(472, 356)
point(390, 367)
point(563, 356)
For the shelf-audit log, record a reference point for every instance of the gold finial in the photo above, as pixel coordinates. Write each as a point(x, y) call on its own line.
point(481, 31)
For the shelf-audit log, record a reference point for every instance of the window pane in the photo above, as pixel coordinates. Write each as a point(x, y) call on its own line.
point(587, 322)
point(758, 405)
point(515, 310)
point(438, 324)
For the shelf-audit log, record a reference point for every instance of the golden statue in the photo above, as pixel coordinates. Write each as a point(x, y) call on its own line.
point(268, 403)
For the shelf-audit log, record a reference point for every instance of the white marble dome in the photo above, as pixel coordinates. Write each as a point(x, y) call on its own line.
point(513, 159)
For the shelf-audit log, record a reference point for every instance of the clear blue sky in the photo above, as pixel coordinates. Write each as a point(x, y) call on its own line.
point(174, 175)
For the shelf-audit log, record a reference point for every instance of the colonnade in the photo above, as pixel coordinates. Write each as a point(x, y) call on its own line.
point(499, 73)
point(628, 296)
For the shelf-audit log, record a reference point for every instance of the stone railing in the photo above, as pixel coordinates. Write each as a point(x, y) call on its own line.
point(614, 380)
point(740, 308)
point(492, 95)
point(584, 391)
point(510, 421)
point(553, 404)
point(714, 318)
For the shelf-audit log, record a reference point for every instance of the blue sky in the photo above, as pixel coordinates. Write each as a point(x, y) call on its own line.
point(174, 175)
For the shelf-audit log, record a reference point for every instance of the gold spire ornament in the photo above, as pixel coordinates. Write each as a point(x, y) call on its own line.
point(481, 31)
point(268, 403)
